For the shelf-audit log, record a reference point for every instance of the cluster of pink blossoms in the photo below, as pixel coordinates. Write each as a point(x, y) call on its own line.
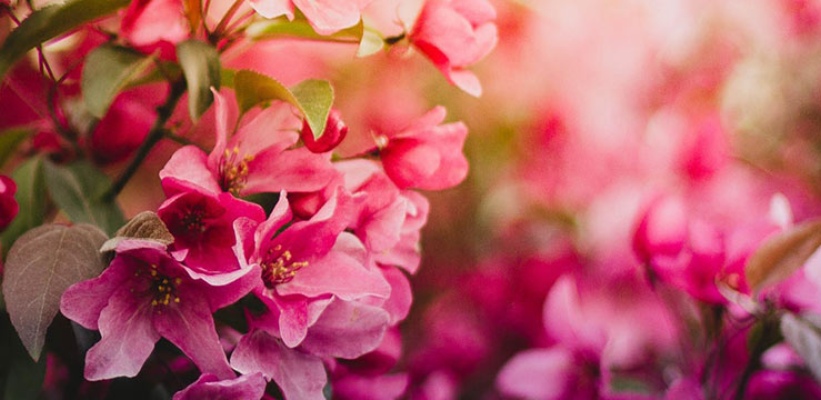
point(274, 265)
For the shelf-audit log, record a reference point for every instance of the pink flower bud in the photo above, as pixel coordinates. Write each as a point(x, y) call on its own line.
point(8, 205)
point(335, 131)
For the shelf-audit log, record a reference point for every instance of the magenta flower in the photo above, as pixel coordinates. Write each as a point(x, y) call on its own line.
point(8, 204)
point(244, 387)
point(426, 155)
point(325, 16)
point(257, 159)
point(146, 294)
point(455, 34)
point(304, 265)
point(346, 329)
point(203, 227)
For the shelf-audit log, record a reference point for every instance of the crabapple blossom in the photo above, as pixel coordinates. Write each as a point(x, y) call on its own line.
point(426, 154)
point(258, 158)
point(145, 294)
point(455, 34)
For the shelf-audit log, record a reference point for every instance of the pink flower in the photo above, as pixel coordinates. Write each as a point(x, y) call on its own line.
point(455, 34)
point(124, 127)
point(244, 387)
point(346, 329)
point(303, 265)
point(325, 16)
point(8, 204)
point(426, 155)
point(146, 294)
point(151, 25)
point(257, 159)
point(203, 227)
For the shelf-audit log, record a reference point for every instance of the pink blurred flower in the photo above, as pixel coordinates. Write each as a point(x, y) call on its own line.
point(325, 16)
point(143, 295)
point(155, 25)
point(426, 155)
point(8, 204)
point(208, 386)
point(125, 125)
point(455, 34)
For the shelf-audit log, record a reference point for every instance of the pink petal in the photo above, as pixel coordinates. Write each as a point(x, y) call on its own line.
point(297, 314)
point(188, 166)
point(274, 8)
point(83, 302)
point(347, 330)
point(296, 170)
point(221, 120)
point(329, 16)
point(244, 387)
point(299, 375)
point(128, 338)
point(339, 274)
point(537, 374)
point(465, 80)
point(190, 326)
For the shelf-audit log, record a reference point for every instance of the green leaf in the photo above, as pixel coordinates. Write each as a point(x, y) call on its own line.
point(782, 254)
point(300, 28)
point(312, 97)
point(49, 258)
point(201, 66)
point(78, 190)
point(9, 140)
point(107, 70)
point(49, 22)
point(369, 42)
point(315, 100)
point(31, 196)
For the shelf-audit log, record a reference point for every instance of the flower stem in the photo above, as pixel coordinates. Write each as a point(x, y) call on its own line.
point(156, 133)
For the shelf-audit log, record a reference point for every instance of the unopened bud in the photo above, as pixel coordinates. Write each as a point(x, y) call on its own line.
point(335, 131)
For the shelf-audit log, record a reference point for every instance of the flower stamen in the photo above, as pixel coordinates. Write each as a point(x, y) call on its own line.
point(233, 171)
point(280, 270)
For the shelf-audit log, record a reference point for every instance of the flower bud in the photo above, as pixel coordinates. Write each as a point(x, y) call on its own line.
point(335, 131)
point(8, 204)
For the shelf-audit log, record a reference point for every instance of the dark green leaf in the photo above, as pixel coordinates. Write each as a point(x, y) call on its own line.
point(107, 70)
point(201, 66)
point(312, 97)
point(50, 22)
point(78, 190)
point(9, 140)
point(782, 254)
point(49, 258)
point(31, 196)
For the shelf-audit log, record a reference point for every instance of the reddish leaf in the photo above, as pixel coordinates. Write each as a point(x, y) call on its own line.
point(40, 266)
point(782, 254)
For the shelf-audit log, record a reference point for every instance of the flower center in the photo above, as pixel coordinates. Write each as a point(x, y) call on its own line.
point(233, 171)
point(280, 270)
point(162, 288)
point(192, 221)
